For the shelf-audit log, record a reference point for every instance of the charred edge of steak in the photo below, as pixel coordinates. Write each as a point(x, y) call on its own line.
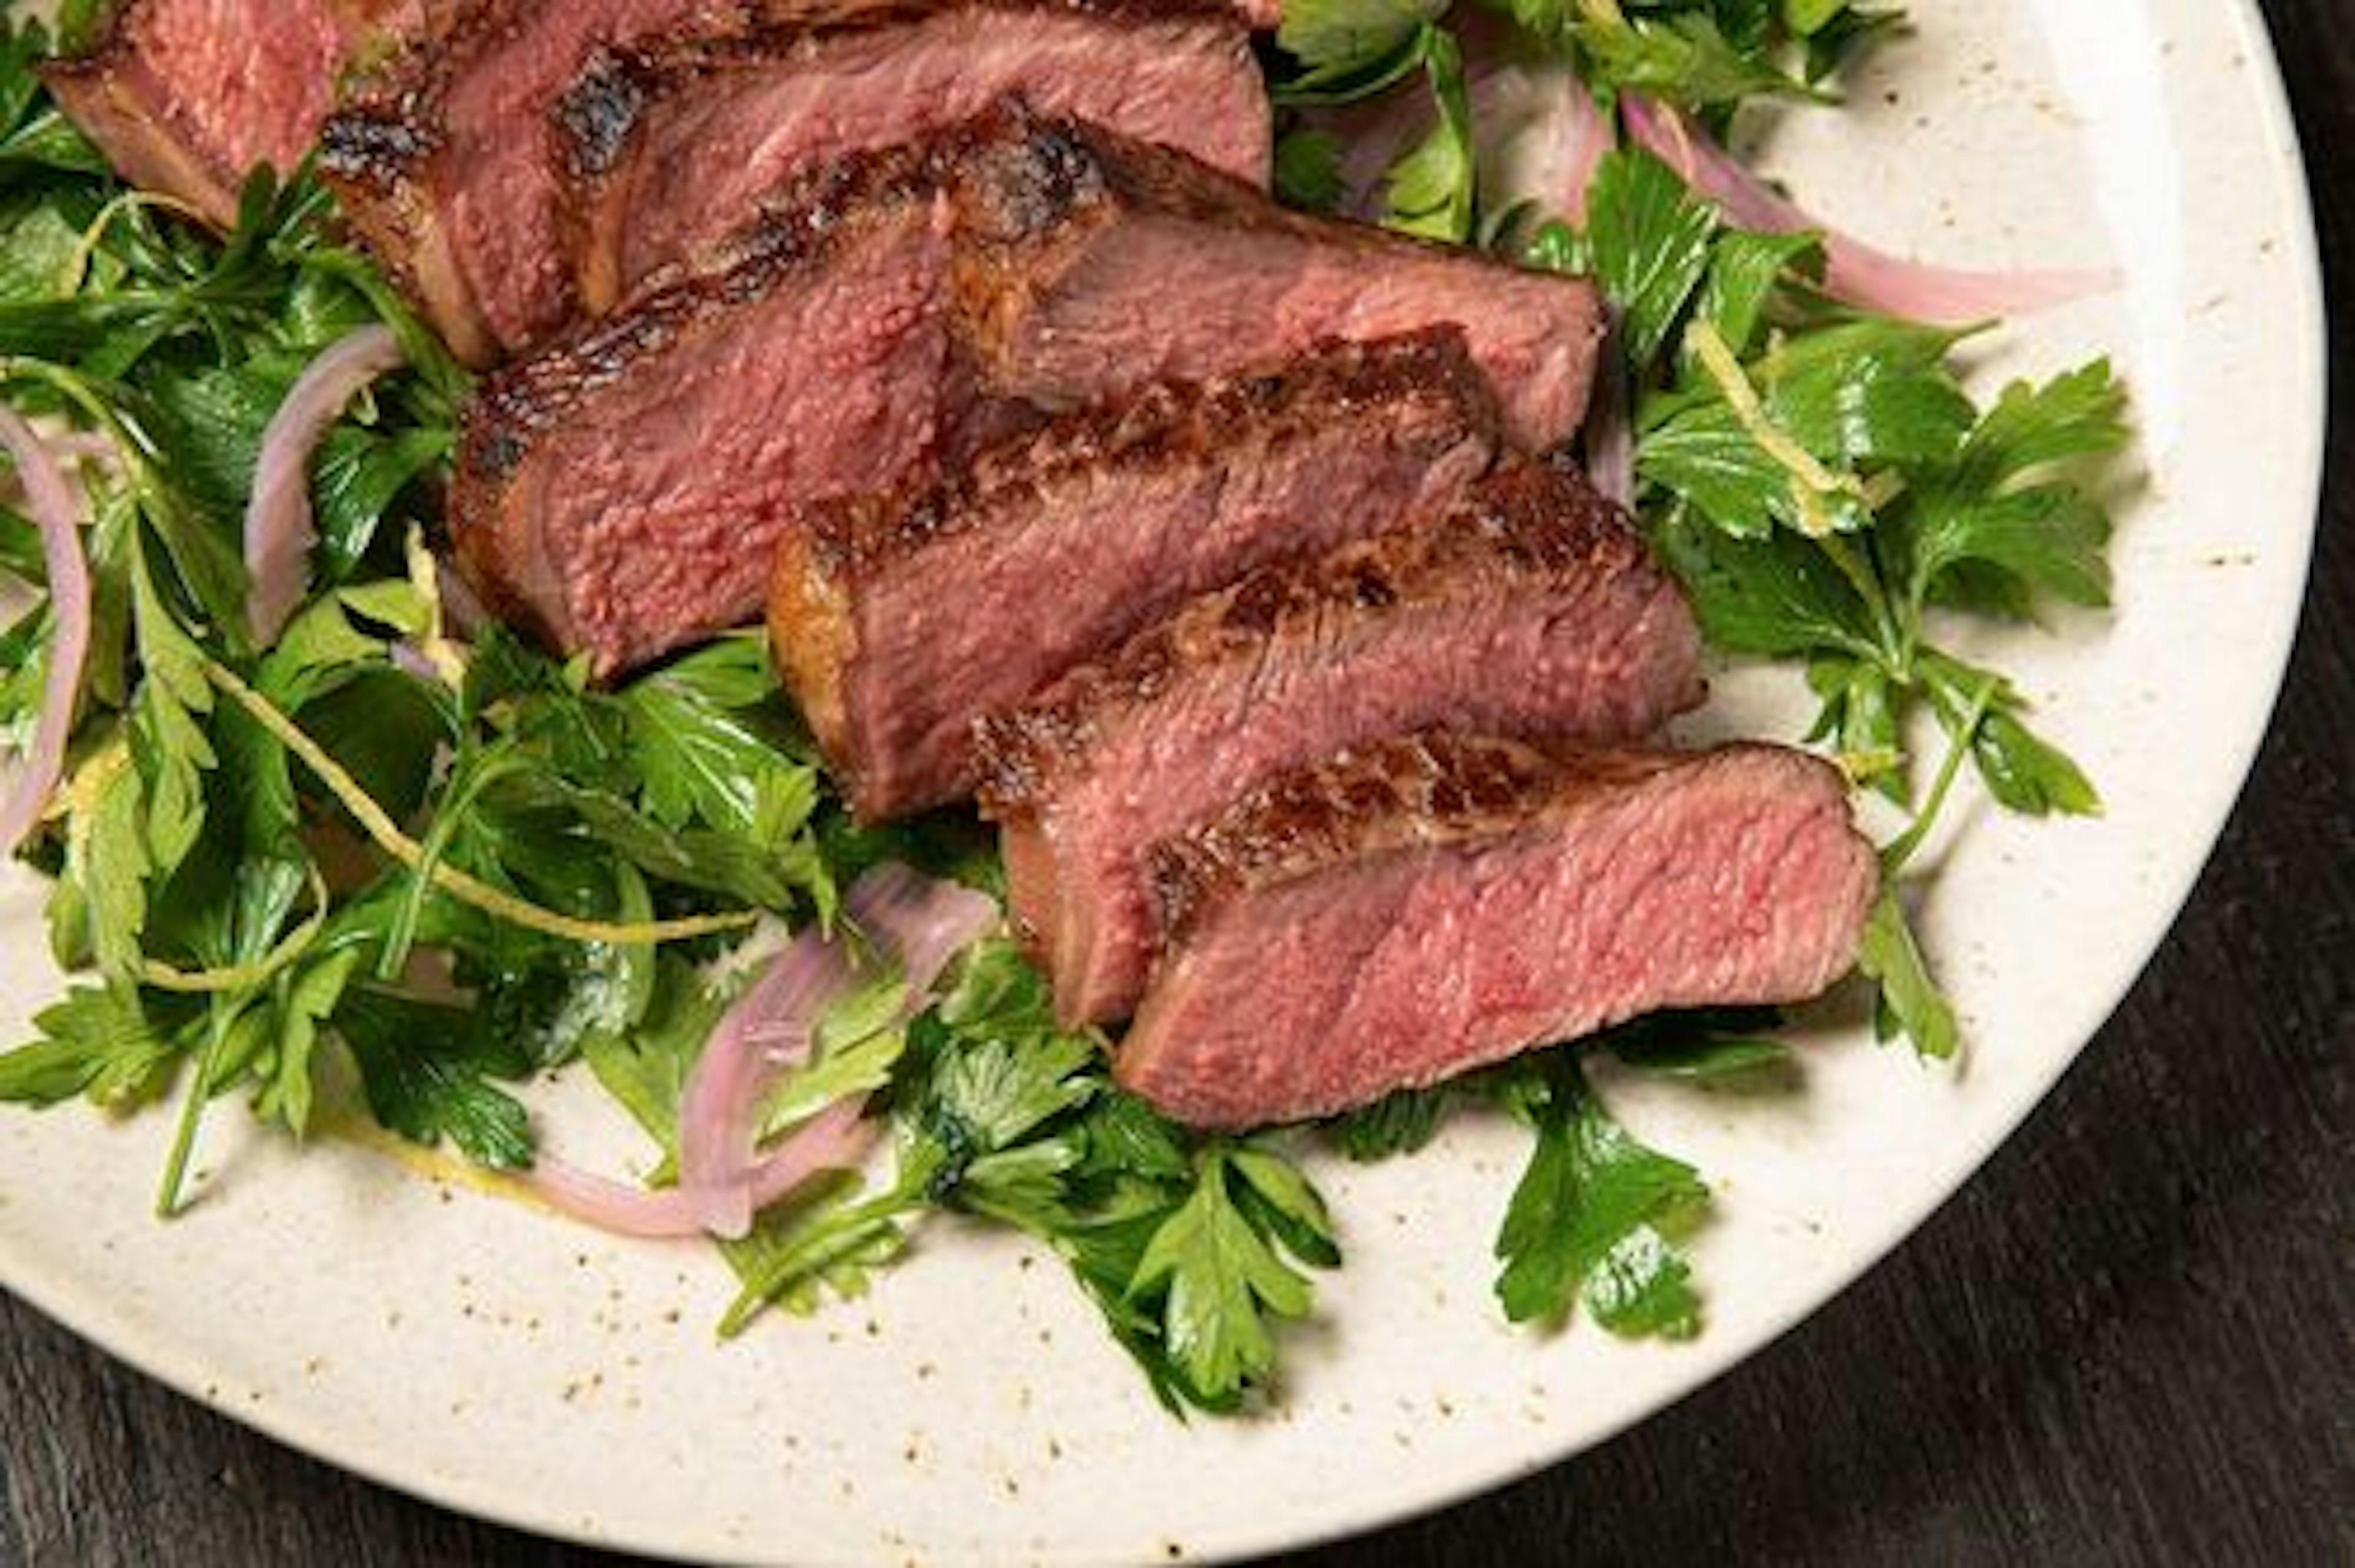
point(601, 113)
point(817, 214)
point(604, 112)
point(1423, 791)
point(376, 144)
point(1529, 521)
point(89, 85)
point(1042, 174)
point(1169, 422)
point(392, 122)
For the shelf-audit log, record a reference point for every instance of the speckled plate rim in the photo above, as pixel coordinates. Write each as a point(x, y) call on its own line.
point(61, 1292)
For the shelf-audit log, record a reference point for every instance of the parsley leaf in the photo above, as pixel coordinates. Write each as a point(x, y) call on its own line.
point(1651, 243)
point(1911, 1002)
point(1434, 186)
point(98, 1042)
point(1353, 47)
point(429, 1072)
point(1594, 1214)
point(1217, 1280)
point(1402, 1122)
point(1308, 171)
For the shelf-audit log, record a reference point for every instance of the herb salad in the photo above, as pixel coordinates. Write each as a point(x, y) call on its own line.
point(389, 840)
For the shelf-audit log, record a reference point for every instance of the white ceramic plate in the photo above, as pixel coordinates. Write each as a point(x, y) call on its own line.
point(972, 1410)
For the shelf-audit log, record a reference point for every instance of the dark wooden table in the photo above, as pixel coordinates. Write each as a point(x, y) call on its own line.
point(2130, 1340)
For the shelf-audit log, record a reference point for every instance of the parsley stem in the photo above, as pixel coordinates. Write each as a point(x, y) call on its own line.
point(192, 1112)
point(471, 777)
point(1853, 566)
point(1965, 733)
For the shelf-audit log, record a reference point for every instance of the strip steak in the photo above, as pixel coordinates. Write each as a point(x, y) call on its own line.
point(899, 620)
point(1417, 908)
point(623, 492)
point(1530, 607)
point(189, 97)
point(1091, 260)
point(668, 145)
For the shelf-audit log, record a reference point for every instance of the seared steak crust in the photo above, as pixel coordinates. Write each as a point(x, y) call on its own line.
point(1169, 422)
point(1416, 908)
point(523, 520)
point(1437, 789)
point(1528, 607)
point(1091, 257)
point(666, 144)
point(1128, 510)
point(1531, 523)
point(445, 159)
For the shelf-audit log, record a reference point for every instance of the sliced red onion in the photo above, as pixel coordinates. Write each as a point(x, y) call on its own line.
point(410, 659)
point(609, 1205)
point(1854, 272)
point(278, 531)
point(1610, 432)
point(920, 921)
point(462, 611)
point(836, 1139)
point(719, 1113)
point(1541, 137)
point(52, 502)
point(770, 1030)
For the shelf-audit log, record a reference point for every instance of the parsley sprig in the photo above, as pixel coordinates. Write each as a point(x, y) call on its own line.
point(1828, 490)
point(1707, 56)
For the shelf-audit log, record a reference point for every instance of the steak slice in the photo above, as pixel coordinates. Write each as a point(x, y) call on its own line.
point(445, 159)
point(1093, 260)
point(189, 97)
point(898, 619)
point(1406, 912)
point(624, 491)
point(668, 145)
point(1530, 607)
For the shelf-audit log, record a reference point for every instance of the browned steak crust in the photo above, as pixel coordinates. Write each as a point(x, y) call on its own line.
point(665, 141)
point(1171, 423)
point(863, 562)
point(1527, 523)
point(500, 551)
point(1421, 791)
point(1063, 223)
point(603, 111)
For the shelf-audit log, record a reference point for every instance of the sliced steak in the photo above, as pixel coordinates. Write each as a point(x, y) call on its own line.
point(948, 298)
point(189, 97)
point(1092, 260)
point(623, 492)
point(445, 159)
point(1530, 607)
point(668, 145)
point(898, 619)
point(1413, 909)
